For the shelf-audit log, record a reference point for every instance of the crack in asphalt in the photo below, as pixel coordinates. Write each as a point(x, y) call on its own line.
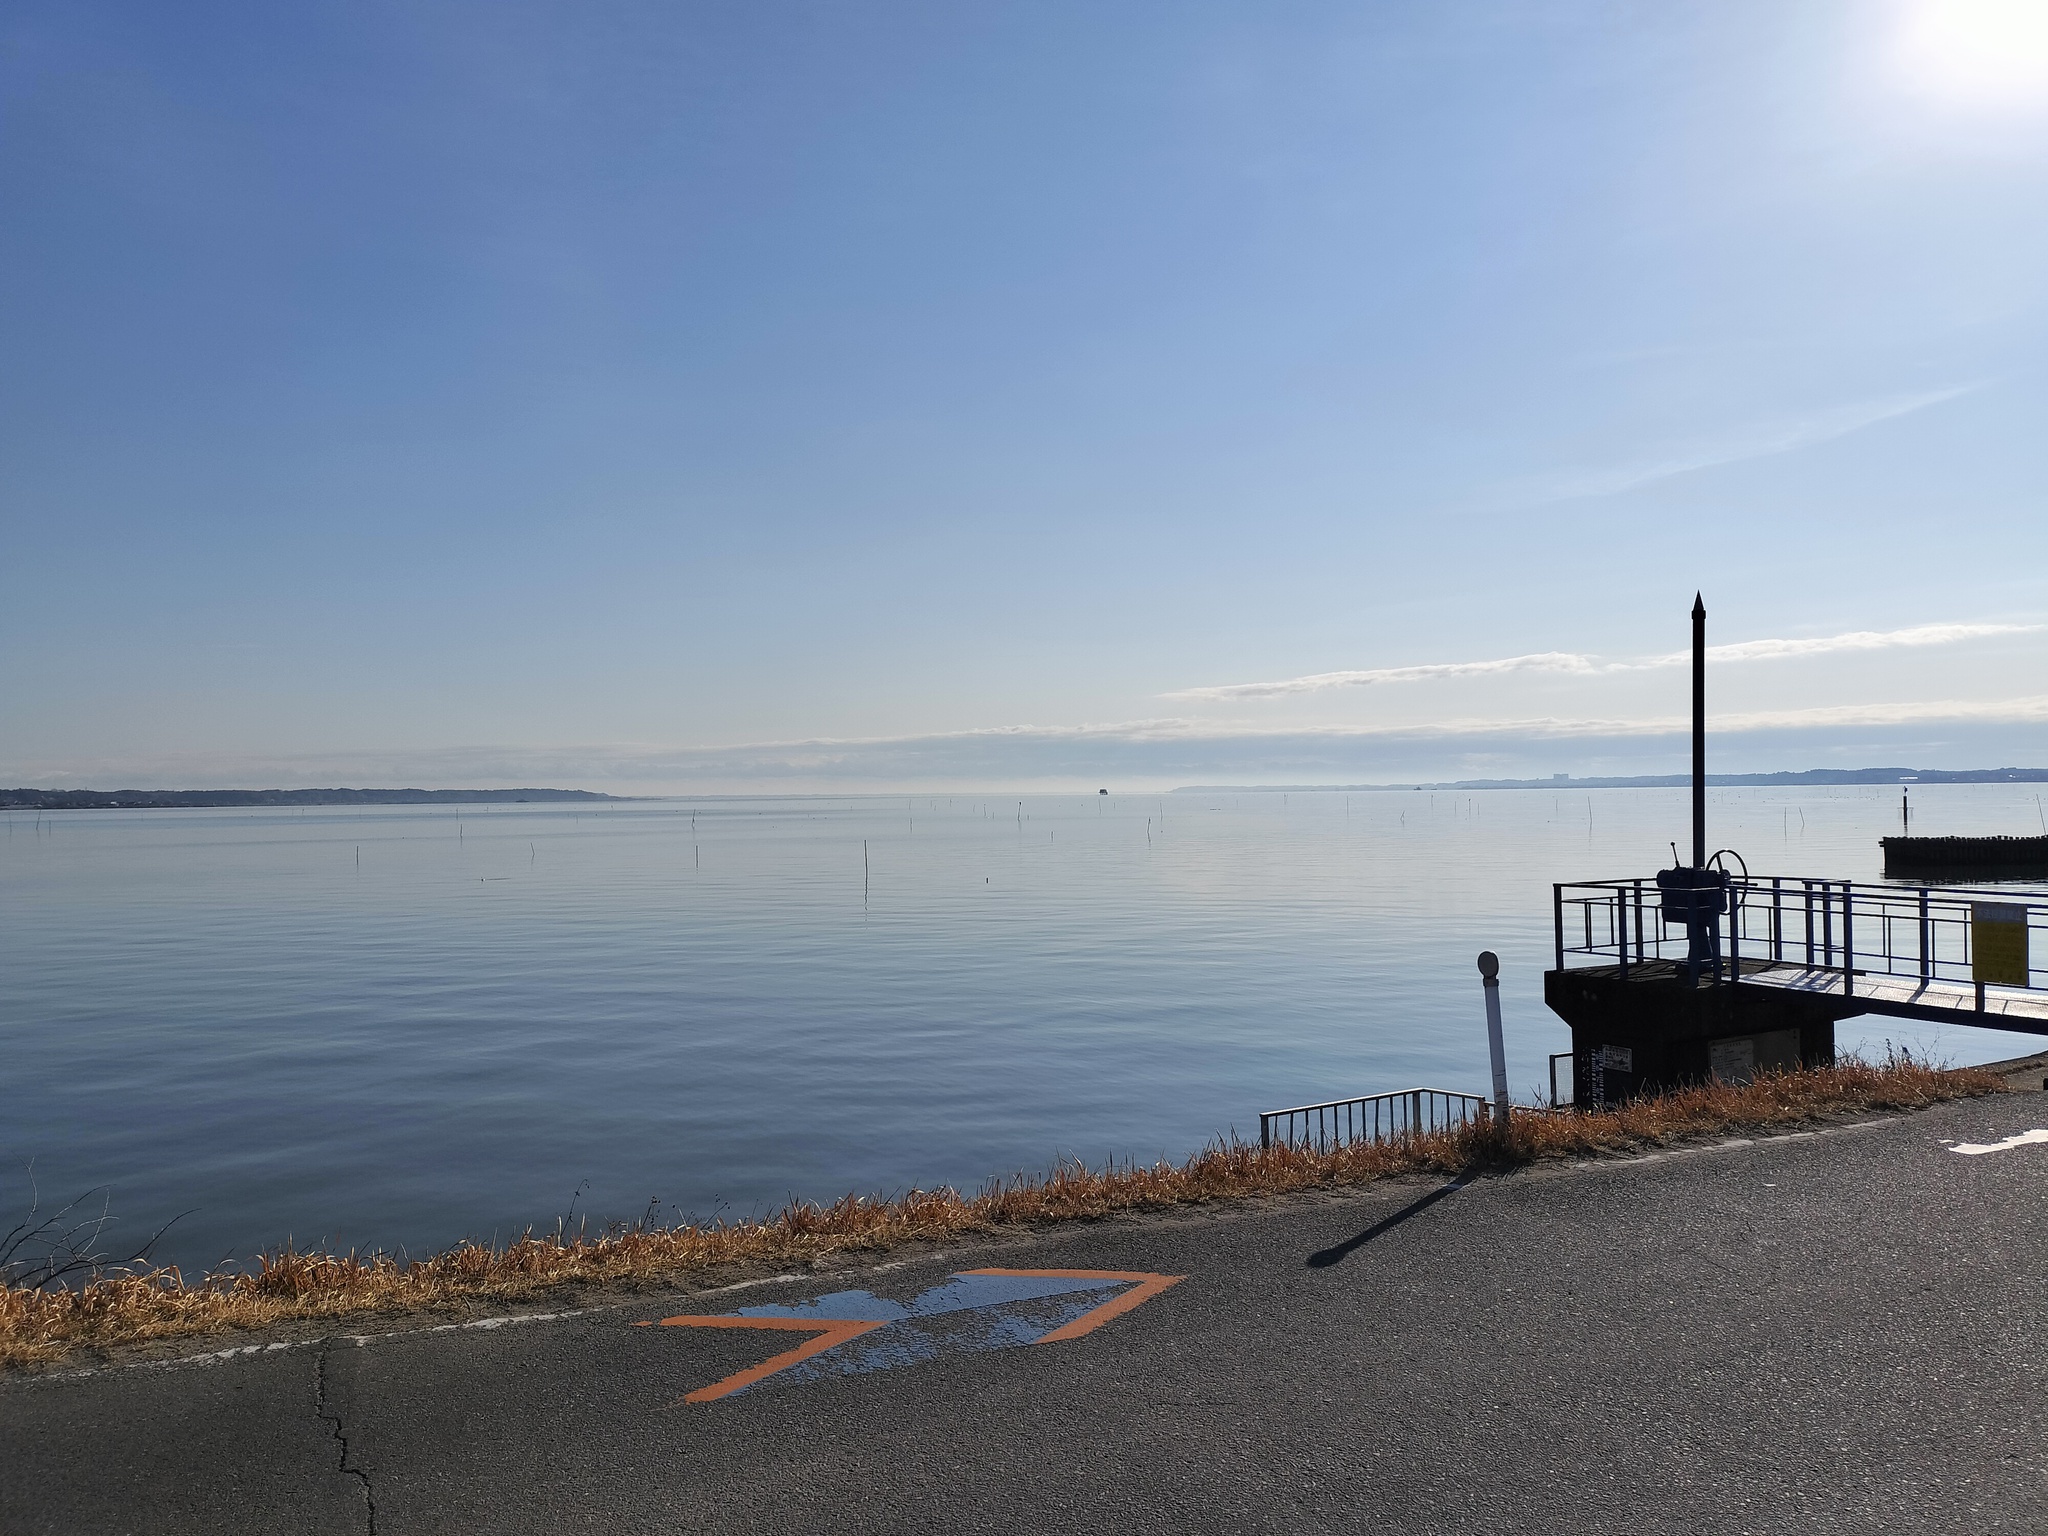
point(340, 1434)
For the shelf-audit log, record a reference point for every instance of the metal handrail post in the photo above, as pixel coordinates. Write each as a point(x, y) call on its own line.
point(1777, 921)
point(1734, 933)
point(1557, 915)
point(1926, 961)
point(1848, 938)
point(1621, 928)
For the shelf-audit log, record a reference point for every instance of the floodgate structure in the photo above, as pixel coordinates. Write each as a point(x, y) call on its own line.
point(1700, 971)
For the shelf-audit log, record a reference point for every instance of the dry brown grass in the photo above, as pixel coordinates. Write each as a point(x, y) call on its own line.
point(286, 1287)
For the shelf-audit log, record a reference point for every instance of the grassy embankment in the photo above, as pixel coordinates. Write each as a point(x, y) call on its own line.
point(287, 1287)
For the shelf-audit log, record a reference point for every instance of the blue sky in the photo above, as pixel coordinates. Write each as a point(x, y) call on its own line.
point(888, 395)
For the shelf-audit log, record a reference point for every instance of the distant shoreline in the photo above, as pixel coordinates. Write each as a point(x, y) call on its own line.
point(198, 799)
point(201, 799)
point(1811, 777)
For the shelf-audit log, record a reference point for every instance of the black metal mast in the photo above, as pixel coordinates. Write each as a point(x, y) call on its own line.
point(1699, 732)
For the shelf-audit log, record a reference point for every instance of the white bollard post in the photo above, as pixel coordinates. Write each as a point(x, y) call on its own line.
point(1489, 972)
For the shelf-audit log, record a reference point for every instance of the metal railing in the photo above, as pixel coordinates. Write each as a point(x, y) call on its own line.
point(1928, 932)
point(1373, 1117)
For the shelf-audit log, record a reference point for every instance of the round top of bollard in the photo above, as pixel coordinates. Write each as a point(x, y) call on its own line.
point(1489, 964)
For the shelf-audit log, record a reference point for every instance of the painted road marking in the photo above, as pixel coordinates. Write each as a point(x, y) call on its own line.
point(1148, 1286)
point(826, 1335)
point(853, 1332)
point(1978, 1148)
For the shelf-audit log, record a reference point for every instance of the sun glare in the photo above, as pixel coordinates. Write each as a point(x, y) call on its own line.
point(1979, 52)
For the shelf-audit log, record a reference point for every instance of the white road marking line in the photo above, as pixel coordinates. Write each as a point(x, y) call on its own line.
point(232, 1354)
point(361, 1340)
point(213, 1357)
point(741, 1285)
point(1979, 1148)
point(1733, 1144)
point(243, 1351)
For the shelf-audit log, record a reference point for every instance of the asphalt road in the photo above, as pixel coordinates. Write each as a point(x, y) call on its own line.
point(1840, 1332)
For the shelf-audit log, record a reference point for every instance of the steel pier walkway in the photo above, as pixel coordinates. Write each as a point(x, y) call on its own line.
point(1947, 954)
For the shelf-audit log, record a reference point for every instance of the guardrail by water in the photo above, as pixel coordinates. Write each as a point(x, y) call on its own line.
point(1372, 1117)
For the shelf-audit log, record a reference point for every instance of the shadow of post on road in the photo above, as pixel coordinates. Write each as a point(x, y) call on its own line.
point(1342, 1251)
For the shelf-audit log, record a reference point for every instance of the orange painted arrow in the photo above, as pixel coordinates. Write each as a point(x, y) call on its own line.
point(1148, 1286)
point(830, 1333)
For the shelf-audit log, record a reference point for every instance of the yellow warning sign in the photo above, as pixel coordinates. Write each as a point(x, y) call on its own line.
point(1998, 943)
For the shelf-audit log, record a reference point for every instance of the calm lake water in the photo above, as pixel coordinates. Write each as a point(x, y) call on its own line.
point(402, 1026)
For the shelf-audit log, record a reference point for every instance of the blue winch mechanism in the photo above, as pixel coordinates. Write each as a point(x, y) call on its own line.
point(1698, 898)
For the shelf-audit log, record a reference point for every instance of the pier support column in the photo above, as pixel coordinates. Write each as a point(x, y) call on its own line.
point(1649, 1031)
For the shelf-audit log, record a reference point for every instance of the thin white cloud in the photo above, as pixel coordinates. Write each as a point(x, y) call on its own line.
point(2022, 711)
point(2031, 710)
point(1544, 661)
point(1585, 665)
point(1854, 640)
point(1757, 441)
